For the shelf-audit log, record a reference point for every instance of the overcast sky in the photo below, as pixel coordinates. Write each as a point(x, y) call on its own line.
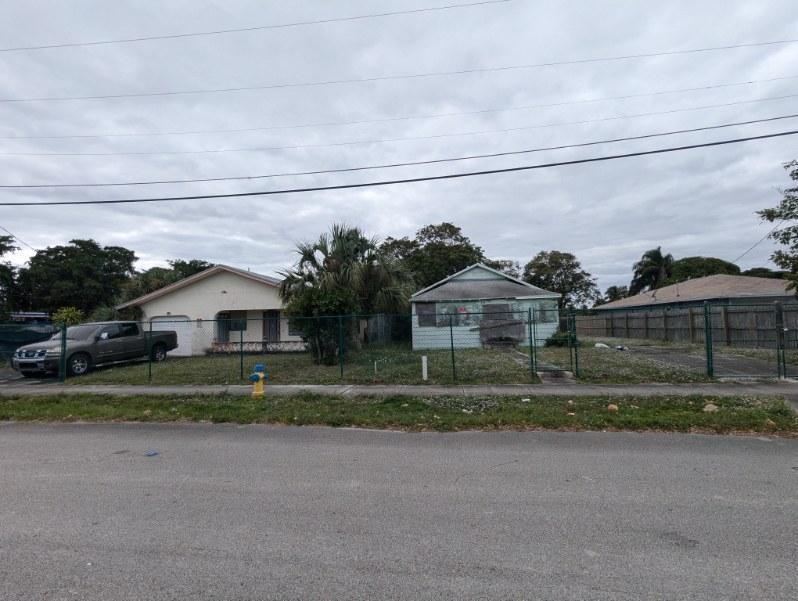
point(697, 202)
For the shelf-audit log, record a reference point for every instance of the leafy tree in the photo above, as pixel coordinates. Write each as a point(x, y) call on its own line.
point(183, 269)
point(651, 271)
point(7, 245)
point(82, 274)
point(506, 266)
point(786, 210)
point(7, 277)
point(340, 274)
point(765, 272)
point(68, 316)
point(150, 280)
point(436, 252)
point(698, 267)
point(614, 293)
point(561, 272)
point(110, 313)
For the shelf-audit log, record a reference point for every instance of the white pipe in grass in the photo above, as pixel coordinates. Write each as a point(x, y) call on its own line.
point(424, 367)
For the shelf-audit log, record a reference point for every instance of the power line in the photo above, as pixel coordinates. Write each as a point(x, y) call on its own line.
point(17, 238)
point(377, 78)
point(389, 140)
point(195, 34)
point(406, 164)
point(393, 182)
point(403, 117)
point(760, 241)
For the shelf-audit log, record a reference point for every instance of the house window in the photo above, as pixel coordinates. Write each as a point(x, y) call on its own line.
point(129, 329)
point(459, 314)
point(426, 315)
point(546, 312)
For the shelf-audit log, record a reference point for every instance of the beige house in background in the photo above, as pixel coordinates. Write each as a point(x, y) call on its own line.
point(217, 309)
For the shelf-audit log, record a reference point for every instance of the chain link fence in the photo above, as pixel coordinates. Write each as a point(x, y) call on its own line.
point(462, 348)
point(449, 348)
point(709, 340)
point(685, 344)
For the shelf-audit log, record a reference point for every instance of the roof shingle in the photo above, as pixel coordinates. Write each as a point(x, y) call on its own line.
point(706, 288)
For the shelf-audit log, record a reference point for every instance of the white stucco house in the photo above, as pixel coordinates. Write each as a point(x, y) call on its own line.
point(218, 309)
point(480, 306)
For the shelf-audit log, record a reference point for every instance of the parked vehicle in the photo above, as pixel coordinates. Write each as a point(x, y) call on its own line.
point(92, 344)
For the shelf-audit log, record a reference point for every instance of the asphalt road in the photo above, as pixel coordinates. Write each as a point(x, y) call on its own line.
point(255, 512)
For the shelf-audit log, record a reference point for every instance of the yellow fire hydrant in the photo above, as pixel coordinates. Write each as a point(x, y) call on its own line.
point(258, 377)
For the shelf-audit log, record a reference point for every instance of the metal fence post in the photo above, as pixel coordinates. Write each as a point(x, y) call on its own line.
point(149, 353)
point(451, 344)
point(708, 339)
point(535, 339)
point(575, 342)
point(341, 345)
point(241, 352)
point(531, 344)
point(778, 322)
point(62, 360)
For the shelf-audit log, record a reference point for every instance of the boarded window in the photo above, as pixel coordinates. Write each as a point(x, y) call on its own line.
point(501, 325)
point(426, 315)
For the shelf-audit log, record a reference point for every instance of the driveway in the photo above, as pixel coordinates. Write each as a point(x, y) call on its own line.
point(257, 512)
point(10, 377)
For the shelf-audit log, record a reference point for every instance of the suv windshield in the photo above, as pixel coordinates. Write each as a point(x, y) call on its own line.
point(77, 332)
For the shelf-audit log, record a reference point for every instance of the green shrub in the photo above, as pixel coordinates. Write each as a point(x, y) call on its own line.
point(559, 339)
point(68, 316)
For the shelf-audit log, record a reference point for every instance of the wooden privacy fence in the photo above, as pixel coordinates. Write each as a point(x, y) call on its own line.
point(753, 326)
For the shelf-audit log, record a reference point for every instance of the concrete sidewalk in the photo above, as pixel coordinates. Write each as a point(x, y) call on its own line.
point(788, 389)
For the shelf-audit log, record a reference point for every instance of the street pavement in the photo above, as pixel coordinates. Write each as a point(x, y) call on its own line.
point(266, 512)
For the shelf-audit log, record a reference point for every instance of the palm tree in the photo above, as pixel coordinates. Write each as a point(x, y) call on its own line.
point(651, 271)
point(342, 273)
point(347, 260)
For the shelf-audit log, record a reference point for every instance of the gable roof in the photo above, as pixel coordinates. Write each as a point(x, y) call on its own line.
point(707, 288)
point(192, 279)
point(456, 288)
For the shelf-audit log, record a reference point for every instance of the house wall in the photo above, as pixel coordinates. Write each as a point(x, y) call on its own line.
point(468, 336)
point(480, 274)
point(202, 301)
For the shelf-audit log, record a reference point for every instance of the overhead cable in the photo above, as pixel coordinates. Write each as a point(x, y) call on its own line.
point(408, 163)
point(393, 182)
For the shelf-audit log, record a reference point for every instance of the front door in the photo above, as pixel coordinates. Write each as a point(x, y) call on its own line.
point(271, 326)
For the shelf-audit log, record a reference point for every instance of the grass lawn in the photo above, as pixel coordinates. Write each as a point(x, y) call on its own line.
point(718, 348)
point(684, 414)
point(767, 355)
point(608, 366)
point(394, 365)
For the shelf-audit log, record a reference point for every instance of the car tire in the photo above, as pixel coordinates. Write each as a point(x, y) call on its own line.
point(78, 364)
point(158, 353)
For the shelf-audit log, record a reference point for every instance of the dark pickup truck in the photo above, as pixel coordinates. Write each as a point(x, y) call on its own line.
point(91, 344)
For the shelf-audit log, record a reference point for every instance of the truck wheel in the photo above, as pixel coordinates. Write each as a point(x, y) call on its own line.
point(158, 353)
point(78, 364)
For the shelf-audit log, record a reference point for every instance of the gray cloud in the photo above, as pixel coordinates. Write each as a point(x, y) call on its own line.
point(696, 202)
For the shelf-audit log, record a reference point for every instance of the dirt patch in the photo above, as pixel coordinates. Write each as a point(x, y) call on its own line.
point(726, 364)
